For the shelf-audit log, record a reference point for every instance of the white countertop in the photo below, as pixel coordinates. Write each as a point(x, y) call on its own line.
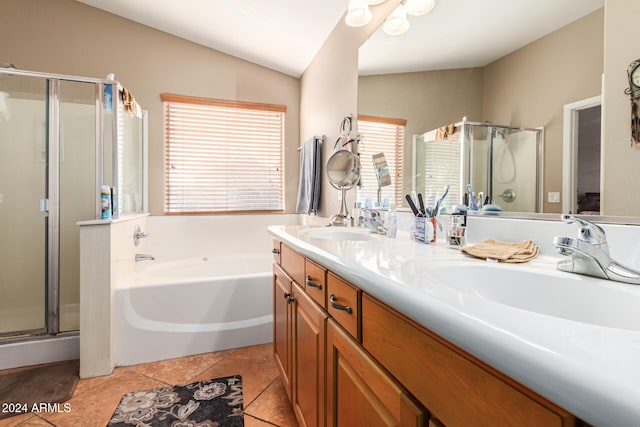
point(592, 371)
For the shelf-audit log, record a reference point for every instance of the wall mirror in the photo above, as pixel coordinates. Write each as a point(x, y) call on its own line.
point(525, 82)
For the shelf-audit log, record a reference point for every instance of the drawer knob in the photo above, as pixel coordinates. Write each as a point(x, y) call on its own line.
point(275, 251)
point(287, 295)
point(312, 283)
point(337, 306)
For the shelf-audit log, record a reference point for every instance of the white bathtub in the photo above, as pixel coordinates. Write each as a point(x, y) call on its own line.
point(195, 305)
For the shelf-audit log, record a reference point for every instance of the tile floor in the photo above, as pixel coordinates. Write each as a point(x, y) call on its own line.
point(95, 399)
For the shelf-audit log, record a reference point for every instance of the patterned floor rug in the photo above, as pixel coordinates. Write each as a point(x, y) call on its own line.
point(211, 403)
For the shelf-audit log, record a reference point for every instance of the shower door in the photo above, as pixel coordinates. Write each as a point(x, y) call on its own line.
point(48, 153)
point(23, 184)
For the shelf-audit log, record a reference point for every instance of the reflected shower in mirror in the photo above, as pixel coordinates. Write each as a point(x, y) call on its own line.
point(502, 164)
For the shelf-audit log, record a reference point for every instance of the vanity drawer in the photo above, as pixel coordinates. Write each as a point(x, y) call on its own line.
point(276, 251)
point(454, 386)
point(293, 263)
point(343, 304)
point(316, 282)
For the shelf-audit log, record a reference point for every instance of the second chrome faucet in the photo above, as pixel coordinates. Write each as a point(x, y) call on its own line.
point(588, 253)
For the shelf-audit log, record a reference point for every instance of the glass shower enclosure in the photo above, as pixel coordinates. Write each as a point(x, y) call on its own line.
point(502, 163)
point(61, 139)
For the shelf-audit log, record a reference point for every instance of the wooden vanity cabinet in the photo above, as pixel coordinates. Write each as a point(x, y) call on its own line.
point(282, 326)
point(308, 341)
point(299, 339)
point(454, 386)
point(360, 392)
point(349, 360)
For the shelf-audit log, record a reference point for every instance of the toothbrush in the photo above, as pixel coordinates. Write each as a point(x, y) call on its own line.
point(436, 210)
point(472, 198)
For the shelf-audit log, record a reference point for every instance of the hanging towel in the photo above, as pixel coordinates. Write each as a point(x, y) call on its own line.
point(129, 102)
point(310, 177)
point(504, 252)
point(444, 131)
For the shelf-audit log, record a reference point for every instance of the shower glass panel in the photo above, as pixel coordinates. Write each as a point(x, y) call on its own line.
point(515, 170)
point(437, 163)
point(23, 183)
point(130, 198)
point(504, 163)
point(77, 189)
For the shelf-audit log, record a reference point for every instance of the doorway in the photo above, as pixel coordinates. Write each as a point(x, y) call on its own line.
point(581, 157)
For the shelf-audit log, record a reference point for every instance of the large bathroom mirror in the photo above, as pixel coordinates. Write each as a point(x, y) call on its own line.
point(519, 67)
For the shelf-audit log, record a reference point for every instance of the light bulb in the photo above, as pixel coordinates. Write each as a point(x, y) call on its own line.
point(420, 7)
point(358, 13)
point(397, 23)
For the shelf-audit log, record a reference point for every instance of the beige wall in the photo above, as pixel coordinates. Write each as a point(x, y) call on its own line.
point(427, 100)
point(530, 87)
point(68, 37)
point(619, 161)
point(329, 92)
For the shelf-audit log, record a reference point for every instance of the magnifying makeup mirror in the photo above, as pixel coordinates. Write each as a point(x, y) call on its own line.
point(343, 171)
point(382, 173)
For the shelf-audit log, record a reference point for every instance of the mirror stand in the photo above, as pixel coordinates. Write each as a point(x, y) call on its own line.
point(341, 218)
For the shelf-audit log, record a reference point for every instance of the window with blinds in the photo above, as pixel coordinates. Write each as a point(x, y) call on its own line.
point(380, 135)
point(442, 167)
point(223, 156)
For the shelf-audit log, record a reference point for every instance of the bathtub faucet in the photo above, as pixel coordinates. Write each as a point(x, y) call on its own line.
point(144, 257)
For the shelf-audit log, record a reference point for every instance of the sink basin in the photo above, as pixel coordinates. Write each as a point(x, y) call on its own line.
point(549, 292)
point(339, 234)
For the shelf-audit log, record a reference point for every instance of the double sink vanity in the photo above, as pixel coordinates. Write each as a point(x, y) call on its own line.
point(371, 330)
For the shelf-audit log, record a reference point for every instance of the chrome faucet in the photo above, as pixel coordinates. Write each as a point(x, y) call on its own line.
point(138, 234)
point(376, 222)
point(144, 257)
point(589, 253)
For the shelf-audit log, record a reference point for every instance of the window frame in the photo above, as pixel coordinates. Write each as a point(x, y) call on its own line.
point(398, 153)
point(230, 105)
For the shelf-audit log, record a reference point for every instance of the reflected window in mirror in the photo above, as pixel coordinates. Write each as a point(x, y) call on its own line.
point(380, 135)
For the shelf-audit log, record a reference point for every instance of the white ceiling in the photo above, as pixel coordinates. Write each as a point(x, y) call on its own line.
point(285, 35)
point(468, 33)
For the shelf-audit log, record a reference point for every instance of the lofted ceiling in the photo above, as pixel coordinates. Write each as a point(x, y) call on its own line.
point(285, 35)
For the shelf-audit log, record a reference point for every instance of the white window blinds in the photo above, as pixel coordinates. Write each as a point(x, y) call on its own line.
point(381, 135)
point(442, 167)
point(223, 156)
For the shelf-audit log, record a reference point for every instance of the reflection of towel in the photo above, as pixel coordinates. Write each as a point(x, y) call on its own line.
point(129, 102)
point(310, 177)
point(444, 131)
point(505, 252)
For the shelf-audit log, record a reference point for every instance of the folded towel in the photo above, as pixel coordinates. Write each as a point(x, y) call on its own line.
point(444, 131)
point(505, 252)
point(310, 177)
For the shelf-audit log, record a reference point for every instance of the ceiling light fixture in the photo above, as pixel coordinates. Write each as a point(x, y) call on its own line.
point(358, 13)
point(420, 7)
point(397, 23)
point(375, 2)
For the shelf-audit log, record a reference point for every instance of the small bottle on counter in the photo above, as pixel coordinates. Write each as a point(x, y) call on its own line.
point(105, 202)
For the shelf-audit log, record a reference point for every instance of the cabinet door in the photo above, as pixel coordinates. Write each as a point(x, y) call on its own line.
point(282, 325)
point(360, 392)
point(309, 332)
point(458, 389)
